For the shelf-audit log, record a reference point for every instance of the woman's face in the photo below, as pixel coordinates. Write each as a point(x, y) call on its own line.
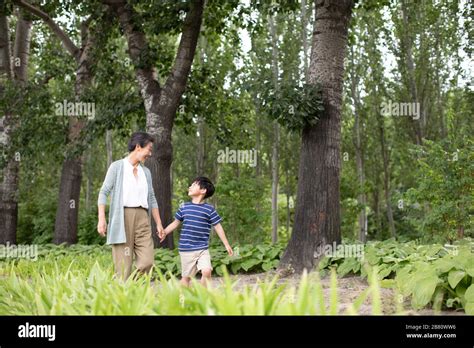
point(144, 152)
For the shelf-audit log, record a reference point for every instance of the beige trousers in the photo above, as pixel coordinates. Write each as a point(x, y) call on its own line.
point(139, 243)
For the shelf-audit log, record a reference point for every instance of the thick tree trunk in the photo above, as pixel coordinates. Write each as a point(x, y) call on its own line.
point(19, 74)
point(161, 103)
point(66, 225)
point(317, 214)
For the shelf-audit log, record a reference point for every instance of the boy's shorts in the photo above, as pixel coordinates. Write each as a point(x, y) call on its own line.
point(194, 261)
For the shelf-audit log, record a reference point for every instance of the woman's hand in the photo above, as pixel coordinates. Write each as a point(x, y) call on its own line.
point(102, 227)
point(159, 230)
point(163, 236)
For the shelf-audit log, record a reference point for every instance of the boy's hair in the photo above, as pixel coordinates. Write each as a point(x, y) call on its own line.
point(205, 183)
point(140, 138)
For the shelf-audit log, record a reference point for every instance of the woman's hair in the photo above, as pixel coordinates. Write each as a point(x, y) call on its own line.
point(139, 138)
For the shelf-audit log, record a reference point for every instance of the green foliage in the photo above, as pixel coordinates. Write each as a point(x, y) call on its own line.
point(87, 233)
point(429, 274)
point(442, 199)
point(246, 259)
point(236, 203)
point(295, 107)
point(89, 289)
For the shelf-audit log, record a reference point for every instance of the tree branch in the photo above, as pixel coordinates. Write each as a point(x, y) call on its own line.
point(187, 47)
point(67, 42)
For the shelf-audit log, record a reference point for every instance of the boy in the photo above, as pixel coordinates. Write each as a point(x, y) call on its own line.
point(197, 217)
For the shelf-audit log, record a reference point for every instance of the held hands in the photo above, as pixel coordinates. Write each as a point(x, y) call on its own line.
point(159, 230)
point(161, 233)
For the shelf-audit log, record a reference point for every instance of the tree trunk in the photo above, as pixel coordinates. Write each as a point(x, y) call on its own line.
point(410, 67)
point(276, 133)
point(89, 179)
point(386, 174)
point(161, 103)
point(361, 197)
point(109, 146)
point(65, 228)
point(19, 75)
point(317, 213)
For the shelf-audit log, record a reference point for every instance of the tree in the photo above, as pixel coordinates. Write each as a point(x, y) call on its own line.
point(161, 102)
point(15, 68)
point(65, 230)
point(317, 213)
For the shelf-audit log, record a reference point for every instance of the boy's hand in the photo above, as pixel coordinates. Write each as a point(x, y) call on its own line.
point(229, 250)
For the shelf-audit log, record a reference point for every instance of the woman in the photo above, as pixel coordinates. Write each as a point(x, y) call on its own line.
point(132, 204)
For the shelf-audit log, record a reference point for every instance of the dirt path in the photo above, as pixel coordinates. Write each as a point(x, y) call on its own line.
point(349, 288)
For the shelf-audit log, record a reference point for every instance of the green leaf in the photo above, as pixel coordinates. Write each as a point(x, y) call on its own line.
point(455, 277)
point(424, 290)
point(235, 267)
point(267, 266)
point(248, 264)
point(469, 308)
point(469, 294)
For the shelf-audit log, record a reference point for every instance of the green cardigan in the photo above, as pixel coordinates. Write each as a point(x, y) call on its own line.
point(113, 185)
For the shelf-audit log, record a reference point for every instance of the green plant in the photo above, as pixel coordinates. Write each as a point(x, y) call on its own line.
point(430, 274)
point(85, 289)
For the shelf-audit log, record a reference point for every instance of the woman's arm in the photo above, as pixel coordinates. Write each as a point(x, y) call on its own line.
point(104, 192)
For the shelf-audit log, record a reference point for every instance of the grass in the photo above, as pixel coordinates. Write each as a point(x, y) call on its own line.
point(81, 284)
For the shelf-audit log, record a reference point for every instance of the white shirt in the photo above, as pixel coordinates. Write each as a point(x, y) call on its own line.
point(135, 189)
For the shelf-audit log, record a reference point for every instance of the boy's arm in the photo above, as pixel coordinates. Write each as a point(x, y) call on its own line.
point(170, 228)
point(220, 232)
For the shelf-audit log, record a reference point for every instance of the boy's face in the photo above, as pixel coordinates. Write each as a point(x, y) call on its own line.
point(194, 190)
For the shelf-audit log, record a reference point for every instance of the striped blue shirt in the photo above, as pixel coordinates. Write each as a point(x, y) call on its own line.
point(197, 220)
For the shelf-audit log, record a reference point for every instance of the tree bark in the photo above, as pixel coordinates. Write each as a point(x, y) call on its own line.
point(317, 213)
point(161, 103)
point(19, 75)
